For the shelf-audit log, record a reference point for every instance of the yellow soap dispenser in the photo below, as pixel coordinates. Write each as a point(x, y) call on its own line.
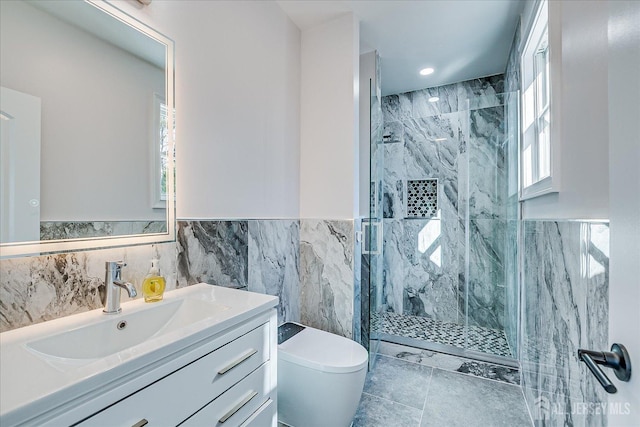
point(153, 284)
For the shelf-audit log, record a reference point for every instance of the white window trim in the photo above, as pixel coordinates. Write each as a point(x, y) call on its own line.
point(550, 14)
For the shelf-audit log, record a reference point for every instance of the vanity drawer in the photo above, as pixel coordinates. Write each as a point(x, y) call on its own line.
point(264, 416)
point(175, 397)
point(237, 404)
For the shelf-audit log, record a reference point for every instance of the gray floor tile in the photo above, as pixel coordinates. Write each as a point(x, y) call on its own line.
point(451, 363)
point(462, 400)
point(423, 357)
point(376, 412)
point(399, 381)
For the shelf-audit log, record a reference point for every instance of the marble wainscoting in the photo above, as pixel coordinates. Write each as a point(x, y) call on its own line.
point(565, 307)
point(274, 264)
point(327, 274)
point(309, 267)
point(53, 230)
point(41, 288)
point(512, 288)
point(255, 255)
point(214, 252)
point(359, 294)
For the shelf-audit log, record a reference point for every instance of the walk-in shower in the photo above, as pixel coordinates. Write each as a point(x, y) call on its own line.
point(443, 274)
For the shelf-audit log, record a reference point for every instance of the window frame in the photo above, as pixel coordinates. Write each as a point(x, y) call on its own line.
point(532, 182)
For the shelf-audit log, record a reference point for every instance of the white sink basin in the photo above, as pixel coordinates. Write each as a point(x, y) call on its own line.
point(116, 333)
point(54, 363)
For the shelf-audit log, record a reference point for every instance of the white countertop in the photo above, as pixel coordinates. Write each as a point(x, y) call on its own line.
point(31, 384)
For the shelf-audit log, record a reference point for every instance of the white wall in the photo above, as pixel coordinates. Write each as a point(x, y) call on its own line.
point(237, 106)
point(578, 36)
point(95, 137)
point(624, 160)
point(329, 176)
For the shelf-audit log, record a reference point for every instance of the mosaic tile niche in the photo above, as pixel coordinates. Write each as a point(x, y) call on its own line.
point(422, 198)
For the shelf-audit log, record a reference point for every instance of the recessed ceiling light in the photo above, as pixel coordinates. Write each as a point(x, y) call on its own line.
point(434, 99)
point(426, 71)
point(440, 139)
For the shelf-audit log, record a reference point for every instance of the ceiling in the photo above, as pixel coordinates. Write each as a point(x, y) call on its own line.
point(460, 39)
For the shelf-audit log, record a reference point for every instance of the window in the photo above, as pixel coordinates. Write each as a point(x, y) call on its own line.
point(536, 152)
point(160, 150)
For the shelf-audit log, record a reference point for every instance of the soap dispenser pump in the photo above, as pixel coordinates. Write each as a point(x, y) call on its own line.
point(153, 284)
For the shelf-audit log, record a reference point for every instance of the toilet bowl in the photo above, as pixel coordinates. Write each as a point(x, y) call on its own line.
point(320, 377)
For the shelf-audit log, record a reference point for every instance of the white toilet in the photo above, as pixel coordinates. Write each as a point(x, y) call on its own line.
point(320, 377)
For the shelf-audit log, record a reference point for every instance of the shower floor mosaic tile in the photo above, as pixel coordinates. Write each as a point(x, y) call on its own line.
point(486, 340)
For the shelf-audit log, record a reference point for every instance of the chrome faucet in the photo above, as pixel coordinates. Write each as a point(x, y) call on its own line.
point(114, 284)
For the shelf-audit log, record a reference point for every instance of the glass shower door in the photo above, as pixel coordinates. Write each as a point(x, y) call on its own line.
point(490, 223)
point(372, 230)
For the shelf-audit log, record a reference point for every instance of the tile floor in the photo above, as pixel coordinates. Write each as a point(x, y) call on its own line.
point(486, 340)
point(417, 388)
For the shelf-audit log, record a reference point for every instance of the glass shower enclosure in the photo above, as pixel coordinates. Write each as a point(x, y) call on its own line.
point(443, 217)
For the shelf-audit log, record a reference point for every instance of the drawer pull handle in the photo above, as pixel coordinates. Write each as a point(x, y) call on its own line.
point(141, 423)
point(241, 359)
point(238, 406)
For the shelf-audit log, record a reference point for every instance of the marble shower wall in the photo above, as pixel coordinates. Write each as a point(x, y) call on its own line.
point(41, 288)
point(458, 141)
point(565, 307)
point(255, 255)
point(512, 72)
point(327, 275)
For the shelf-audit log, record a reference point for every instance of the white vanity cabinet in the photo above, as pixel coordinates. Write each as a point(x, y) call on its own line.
point(224, 387)
point(211, 362)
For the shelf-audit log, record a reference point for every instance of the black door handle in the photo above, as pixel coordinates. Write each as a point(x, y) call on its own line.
point(617, 359)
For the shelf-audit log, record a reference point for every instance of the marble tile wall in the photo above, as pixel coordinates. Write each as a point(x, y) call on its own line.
point(327, 275)
point(565, 307)
point(274, 264)
point(41, 288)
point(255, 255)
point(311, 264)
point(358, 292)
point(512, 72)
point(214, 252)
point(424, 260)
point(52, 230)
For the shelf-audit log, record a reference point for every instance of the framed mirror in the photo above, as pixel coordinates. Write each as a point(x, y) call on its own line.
point(86, 129)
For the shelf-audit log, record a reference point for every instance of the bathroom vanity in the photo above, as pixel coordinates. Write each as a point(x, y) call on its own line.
point(204, 355)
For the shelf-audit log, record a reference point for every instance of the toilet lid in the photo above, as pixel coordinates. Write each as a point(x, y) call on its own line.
point(323, 351)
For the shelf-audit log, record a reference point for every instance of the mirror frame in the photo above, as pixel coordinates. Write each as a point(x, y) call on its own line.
point(43, 247)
